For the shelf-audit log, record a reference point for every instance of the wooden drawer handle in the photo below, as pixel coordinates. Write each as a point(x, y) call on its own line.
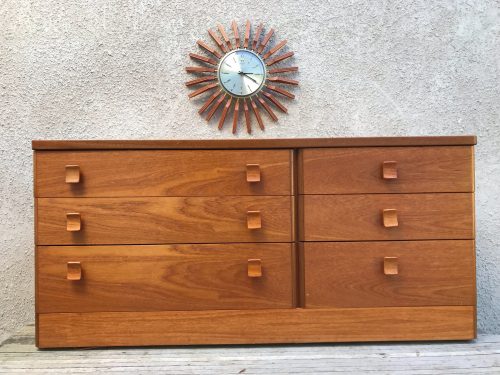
point(390, 218)
point(391, 265)
point(389, 170)
point(254, 268)
point(73, 222)
point(253, 173)
point(72, 174)
point(254, 220)
point(74, 271)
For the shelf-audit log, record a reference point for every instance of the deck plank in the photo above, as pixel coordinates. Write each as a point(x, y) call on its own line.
point(482, 356)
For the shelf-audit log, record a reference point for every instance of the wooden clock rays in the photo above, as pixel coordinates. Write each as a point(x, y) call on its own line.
point(241, 76)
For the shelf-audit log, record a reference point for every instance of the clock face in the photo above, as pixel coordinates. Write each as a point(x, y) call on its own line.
point(241, 73)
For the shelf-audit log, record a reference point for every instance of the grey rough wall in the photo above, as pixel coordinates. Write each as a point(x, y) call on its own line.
point(111, 69)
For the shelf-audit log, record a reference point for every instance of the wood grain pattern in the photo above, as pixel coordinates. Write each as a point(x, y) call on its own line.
point(256, 112)
point(209, 49)
point(72, 174)
point(225, 111)
point(359, 217)
point(275, 49)
point(247, 34)
point(200, 80)
point(216, 39)
point(236, 115)
point(359, 170)
point(201, 90)
point(200, 69)
point(164, 277)
point(256, 37)
point(275, 101)
point(351, 274)
point(255, 326)
point(279, 58)
point(253, 143)
point(155, 220)
point(215, 107)
point(202, 58)
point(265, 41)
point(236, 34)
point(267, 108)
point(163, 173)
point(224, 36)
point(288, 69)
point(209, 101)
point(198, 275)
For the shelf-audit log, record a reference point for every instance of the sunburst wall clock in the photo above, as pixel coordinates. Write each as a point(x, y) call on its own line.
point(241, 76)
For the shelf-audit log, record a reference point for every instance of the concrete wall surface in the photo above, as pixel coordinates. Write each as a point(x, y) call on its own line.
point(97, 69)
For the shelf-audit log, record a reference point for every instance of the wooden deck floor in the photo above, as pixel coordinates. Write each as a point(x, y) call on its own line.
point(19, 355)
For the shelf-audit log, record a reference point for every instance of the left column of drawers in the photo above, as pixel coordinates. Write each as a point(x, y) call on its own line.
point(163, 230)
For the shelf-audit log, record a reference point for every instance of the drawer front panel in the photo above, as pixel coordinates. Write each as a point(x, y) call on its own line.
point(376, 274)
point(162, 173)
point(72, 221)
point(387, 170)
point(387, 217)
point(164, 277)
point(256, 326)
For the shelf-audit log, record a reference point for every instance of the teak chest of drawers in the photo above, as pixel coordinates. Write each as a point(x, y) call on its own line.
point(254, 241)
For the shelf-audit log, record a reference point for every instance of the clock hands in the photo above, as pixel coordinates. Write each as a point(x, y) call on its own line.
point(247, 75)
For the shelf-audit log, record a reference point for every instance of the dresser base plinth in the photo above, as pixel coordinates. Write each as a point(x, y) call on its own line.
point(55, 330)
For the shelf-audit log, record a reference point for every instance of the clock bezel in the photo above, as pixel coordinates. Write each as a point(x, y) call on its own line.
point(223, 59)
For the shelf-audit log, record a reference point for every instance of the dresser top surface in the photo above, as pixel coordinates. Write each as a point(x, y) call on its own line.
point(253, 143)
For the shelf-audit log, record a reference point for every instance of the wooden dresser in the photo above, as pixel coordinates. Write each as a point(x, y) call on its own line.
point(254, 241)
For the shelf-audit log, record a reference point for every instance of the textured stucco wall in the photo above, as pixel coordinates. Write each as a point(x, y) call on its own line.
point(114, 69)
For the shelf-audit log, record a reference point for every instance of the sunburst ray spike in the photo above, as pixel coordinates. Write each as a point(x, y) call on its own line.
point(236, 33)
point(209, 101)
point(215, 107)
point(290, 69)
point(200, 69)
point(224, 112)
point(256, 37)
point(236, 115)
point(280, 58)
point(224, 36)
point(265, 41)
point(203, 89)
point(216, 39)
point(257, 114)
point(209, 49)
point(247, 117)
point(267, 108)
point(247, 34)
point(281, 91)
point(285, 81)
point(275, 49)
point(200, 80)
point(204, 59)
point(275, 101)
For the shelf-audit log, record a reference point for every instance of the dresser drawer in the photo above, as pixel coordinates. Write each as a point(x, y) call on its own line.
point(377, 274)
point(387, 170)
point(164, 277)
point(152, 220)
point(162, 173)
point(387, 217)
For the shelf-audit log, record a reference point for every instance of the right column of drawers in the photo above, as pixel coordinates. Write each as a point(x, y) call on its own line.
point(387, 227)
